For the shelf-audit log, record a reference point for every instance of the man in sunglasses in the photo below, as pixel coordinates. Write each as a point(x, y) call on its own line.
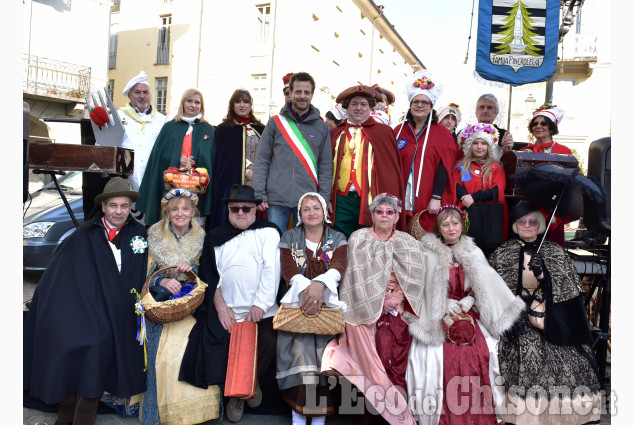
point(240, 263)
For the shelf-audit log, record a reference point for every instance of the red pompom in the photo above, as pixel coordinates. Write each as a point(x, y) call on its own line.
point(99, 115)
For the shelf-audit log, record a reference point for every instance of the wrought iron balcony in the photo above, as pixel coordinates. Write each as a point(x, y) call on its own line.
point(49, 77)
point(579, 47)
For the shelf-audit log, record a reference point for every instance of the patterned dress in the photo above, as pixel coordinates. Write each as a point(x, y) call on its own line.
point(550, 374)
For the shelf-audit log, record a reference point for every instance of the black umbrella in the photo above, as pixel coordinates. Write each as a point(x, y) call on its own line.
point(563, 190)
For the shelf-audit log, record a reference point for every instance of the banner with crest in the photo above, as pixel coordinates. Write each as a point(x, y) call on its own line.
point(517, 40)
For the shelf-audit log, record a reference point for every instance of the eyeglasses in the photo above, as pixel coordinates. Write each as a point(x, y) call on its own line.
point(531, 223)
point(389, 213)
point(245, 209)
point(541, 123)
point(421, 102)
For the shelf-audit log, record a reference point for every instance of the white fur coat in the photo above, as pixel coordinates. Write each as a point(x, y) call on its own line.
point(497, 305)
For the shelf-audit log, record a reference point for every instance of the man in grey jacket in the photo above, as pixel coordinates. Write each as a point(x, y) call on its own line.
point(294, 155)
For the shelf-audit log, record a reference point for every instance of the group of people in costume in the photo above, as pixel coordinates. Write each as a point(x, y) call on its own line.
point(346, 213)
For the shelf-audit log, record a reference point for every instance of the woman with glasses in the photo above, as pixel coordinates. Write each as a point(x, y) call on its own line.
point(382, 288)
point(466, 308)
point(427, 150)
point(543, 126)
point(547, 353)
point(312, 261)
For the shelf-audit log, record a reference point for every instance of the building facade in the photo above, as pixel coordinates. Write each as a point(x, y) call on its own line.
point(219, 46)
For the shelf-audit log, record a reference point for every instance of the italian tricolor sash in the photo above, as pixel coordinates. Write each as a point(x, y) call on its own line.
point(298, 144)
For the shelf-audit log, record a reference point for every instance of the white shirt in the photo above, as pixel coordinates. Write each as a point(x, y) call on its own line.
point(140, 141)
point(249, 270)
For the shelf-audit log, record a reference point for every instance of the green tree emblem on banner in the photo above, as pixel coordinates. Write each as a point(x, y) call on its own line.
point(518, 32)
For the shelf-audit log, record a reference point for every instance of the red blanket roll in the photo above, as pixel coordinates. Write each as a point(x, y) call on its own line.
point(240, 381)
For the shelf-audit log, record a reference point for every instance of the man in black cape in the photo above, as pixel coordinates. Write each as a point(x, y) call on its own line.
point(79, 333)
point(250, 262)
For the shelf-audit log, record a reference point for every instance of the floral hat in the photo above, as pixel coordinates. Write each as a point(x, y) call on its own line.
point(423, 82)
point(481, 130)
point(178, 192)
point(552, 112)
point(452, 109)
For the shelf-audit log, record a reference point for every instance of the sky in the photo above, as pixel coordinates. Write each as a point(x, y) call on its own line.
point(437, 32)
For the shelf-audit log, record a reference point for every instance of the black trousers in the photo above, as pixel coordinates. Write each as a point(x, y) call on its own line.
point(267, 338)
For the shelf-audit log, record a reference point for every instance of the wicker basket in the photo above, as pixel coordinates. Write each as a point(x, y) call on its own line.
point(176, 309)
point(328, 321)
point(414, 228)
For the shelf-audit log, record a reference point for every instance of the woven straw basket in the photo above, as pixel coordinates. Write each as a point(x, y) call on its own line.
point(414, 228)
point(176, 309)
point(328, 321)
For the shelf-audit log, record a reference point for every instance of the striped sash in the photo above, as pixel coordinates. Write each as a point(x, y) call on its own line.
point(298, 144)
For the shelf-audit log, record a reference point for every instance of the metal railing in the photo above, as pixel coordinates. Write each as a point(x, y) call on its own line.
point(580, 46)
point(48, 76)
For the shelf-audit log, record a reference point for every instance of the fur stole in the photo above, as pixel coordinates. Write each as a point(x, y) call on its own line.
point(496, 304)
point(166, 250)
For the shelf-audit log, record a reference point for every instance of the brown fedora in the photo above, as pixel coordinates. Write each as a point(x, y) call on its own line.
point(115, 187)
point(353, 91)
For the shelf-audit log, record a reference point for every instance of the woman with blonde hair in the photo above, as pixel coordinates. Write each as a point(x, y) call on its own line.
point(187, 137)
point(479, 180)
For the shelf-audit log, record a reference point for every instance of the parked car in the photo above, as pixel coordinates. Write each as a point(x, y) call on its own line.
point(47, 222)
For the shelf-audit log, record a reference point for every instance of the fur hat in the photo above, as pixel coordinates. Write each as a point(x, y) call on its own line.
point(117, 186)
point(140, 78)
point(451, 109)
point(322, 201)
point(423, 82)
point(552, 112)
point(353, 91)
point(483, 131)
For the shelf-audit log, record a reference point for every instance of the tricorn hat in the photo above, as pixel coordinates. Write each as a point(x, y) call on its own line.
point(241, 193)
point(351, 92)
point(390, 97)
point(115, 187)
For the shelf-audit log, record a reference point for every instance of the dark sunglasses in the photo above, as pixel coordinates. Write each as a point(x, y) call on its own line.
point(245, 209)
point(542, 123)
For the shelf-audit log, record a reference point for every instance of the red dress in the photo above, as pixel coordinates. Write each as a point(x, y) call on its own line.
point(466, 399)
point(479, 182)
point(440, 148)
point(551, 147)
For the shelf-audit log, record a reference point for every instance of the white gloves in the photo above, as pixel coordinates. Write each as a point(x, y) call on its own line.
point(456, 307)
point(467, 303)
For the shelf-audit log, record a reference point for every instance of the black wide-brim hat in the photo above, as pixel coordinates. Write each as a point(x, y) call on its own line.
point(116, 187)
point(242, 193)
point(521, 209)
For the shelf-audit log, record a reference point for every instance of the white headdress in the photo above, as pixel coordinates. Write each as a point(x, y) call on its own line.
point(423, 82)
point(140, 78)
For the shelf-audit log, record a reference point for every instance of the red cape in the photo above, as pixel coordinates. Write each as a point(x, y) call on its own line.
point(498, 179)
point(386, 170)
point(440, 147)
